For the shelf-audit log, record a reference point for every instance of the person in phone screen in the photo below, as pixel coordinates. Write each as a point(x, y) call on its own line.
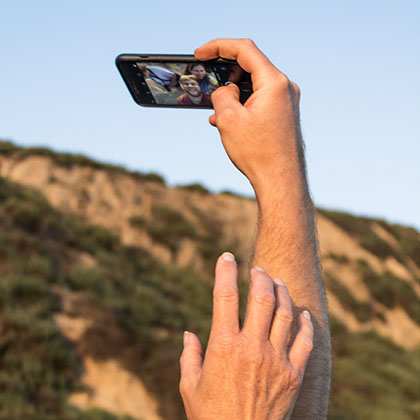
point(193, 95)
point(165, 78)
point(207, 82)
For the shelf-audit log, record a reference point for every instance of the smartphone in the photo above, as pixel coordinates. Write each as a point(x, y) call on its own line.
point(179, 81)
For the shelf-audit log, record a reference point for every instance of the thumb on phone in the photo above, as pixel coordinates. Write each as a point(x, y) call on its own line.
point(225, 100)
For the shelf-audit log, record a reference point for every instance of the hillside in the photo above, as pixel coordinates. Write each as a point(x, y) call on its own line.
point(102, 270)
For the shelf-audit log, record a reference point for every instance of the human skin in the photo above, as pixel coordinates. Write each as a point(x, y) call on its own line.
point(263, 140)
point(248, 373)
point(199, 71)
point(191, 87)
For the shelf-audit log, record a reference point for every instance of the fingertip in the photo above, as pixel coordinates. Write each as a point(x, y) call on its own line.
point(307, 315)
point(280, 283)
point(257, 273)
point(191, 358)
point(228, 256)
point(204, 52)
point(305, 320)
point(226, 261)
point(197, 52)
point(193, 340)
point(306, 328)
point(212, 120)
point(186, 338)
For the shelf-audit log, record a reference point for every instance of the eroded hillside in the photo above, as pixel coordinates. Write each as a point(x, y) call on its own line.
point(168, 239)
point(191, 227)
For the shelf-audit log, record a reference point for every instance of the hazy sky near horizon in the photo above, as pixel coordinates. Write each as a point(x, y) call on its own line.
point(357, 63)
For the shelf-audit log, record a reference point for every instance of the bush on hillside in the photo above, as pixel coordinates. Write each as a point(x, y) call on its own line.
point(407, 237)
point(361, 229)
point(340, 258)
point(69, 160)
point(166, 226)
point(363, 311)
point(390, 290)
point(373, 379)
point(195, 187)
point(153, 304)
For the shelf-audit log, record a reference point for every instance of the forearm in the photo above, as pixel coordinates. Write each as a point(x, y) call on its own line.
point(262, 138)
point(286, 246)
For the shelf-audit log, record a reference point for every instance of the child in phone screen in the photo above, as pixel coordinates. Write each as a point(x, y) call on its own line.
point(193, 95)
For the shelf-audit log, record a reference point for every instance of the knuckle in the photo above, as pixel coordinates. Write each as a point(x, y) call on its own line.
point(226, 119)
point(225, 296)
point(266, 299)
point(284, 315)
point(281, 82)
point(248, 41)
point(218, 92)
point(183, 387)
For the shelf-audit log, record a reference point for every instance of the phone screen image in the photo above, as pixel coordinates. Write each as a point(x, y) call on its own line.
point(183, 83)
point(179, 83)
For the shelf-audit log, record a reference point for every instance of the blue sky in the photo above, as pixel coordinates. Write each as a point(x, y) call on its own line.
point(357, 63)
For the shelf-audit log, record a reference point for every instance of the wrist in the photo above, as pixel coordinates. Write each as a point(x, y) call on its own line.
point(284, 185)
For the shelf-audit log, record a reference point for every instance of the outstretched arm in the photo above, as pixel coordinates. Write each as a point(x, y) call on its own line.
point(263, 140)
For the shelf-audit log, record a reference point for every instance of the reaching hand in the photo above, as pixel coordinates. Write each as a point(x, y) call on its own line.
point(248, 373)
point(261, 137)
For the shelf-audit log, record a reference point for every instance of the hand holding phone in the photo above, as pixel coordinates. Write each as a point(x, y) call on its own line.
point(179, 81)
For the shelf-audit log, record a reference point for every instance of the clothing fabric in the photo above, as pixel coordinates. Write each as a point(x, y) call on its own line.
point(207, 83)
point(186, 100)
point(161, 75)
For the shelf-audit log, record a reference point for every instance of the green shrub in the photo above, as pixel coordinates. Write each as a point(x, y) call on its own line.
point(372, 377)
point(167, 226)
point(390, 290)
point(152, 177)
point(407, 237)
point(26, 215)
point(69, 160)
point(340, 258)
point(98, 414)
point(195, 187)
point(138, 222)
point(361, 229)
point(363, 311)
point(231, 193)
point(153, 303)
point(210, 242)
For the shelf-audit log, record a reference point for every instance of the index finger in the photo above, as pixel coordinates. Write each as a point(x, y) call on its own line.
point(225, 320)
point(244, 51)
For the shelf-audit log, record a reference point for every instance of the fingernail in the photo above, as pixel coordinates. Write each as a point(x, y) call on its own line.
point(259, 269)
point(227, 256)
point(280, 282)
point(186, 337)
point(307, 315)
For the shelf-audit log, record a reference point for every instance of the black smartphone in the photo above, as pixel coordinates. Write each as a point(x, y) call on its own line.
point(179, 81)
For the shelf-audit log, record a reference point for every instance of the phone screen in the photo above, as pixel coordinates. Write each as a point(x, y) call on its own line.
point(182, 84)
